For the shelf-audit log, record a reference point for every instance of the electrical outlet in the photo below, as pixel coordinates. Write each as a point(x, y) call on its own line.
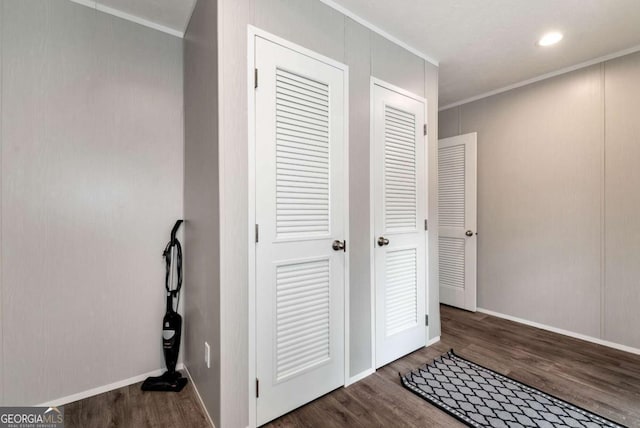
point(207, 355)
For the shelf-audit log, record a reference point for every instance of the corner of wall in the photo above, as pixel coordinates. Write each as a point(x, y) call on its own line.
point(201, 205)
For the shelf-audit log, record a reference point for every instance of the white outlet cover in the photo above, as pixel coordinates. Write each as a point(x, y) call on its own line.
point(207, 355)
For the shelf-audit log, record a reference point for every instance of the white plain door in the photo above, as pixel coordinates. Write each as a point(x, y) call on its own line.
point(457, 199)
point(300, 211)
point(399, 207)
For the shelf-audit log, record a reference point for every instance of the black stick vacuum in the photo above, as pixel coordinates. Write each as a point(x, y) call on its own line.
point(171, 380)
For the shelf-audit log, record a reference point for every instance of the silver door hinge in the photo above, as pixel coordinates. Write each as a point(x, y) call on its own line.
point(426, 320)
point(426, 224)
point(255, 78)
point(257, 232)
point(425, 129)
point(257, 388)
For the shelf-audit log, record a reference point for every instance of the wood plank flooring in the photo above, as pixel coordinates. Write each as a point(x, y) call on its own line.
point(600, 379)
point(130, 407)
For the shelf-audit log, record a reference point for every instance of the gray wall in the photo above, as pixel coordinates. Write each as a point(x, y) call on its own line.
point(202, 233)
point(320, 28)
point(558, 203)
point(621, 298)
point(92, 149)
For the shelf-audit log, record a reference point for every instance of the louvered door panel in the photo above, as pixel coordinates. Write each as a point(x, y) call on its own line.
point(302, 157)
point(400, 174)
point(457, 216)
point(399, 201)
point(302, 316)
point(301, 205)
point(452, 262)
point(451, 185)
point(401, 291)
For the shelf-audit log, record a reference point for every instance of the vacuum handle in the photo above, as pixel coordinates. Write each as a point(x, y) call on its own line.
point(175, 230)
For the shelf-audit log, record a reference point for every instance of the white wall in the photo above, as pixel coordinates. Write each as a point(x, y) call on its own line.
point(558, 205)
point(92, 153)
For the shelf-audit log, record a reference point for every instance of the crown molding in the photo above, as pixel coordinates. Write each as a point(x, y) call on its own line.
point(332, 4)
point(545, 76)
point(129, 17)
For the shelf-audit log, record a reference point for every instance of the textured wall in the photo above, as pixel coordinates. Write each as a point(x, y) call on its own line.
point(621, 297)
point(92, 150)
point(358, 58)
point(558, 206)
point(202, 233)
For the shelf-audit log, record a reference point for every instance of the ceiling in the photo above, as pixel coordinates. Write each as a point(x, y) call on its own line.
point(485, 45)
point(481, 46)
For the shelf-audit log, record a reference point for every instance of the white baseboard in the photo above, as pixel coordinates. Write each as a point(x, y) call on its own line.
point(359, 376)
point(432, 341)
point(104, 388)
point(195, 388)
point(563, 332)
point(368, 372)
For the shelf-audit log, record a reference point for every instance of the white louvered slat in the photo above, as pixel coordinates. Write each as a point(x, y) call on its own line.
point(302, 156)
point(302, 316)
point(452, 261)
point(400, 179)
point(451, 172)
point(401, 291)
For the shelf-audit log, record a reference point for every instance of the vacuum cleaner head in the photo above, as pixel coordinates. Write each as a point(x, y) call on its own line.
point(168, 382)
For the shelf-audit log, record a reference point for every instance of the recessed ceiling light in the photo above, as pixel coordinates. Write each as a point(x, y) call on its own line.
point(550, 39)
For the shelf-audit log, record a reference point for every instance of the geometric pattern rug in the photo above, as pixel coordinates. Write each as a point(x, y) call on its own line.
point(480, 397)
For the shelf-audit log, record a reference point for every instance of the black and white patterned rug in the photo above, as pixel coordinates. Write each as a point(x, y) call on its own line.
point(480, 397)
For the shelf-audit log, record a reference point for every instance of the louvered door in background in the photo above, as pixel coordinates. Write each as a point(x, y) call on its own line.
point(457, 216)
point(400, 206)
point(300, 211)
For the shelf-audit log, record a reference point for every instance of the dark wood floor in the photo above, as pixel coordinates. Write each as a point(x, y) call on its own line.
point(597, 378)
point(129, 407)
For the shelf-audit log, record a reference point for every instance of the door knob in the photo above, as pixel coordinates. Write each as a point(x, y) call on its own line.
point(339, 245)
point(382, 241)
point(468, 233)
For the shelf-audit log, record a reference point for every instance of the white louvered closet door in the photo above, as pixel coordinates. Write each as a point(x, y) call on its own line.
point(457, 216)
point(300, 211)
point(400, 208)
